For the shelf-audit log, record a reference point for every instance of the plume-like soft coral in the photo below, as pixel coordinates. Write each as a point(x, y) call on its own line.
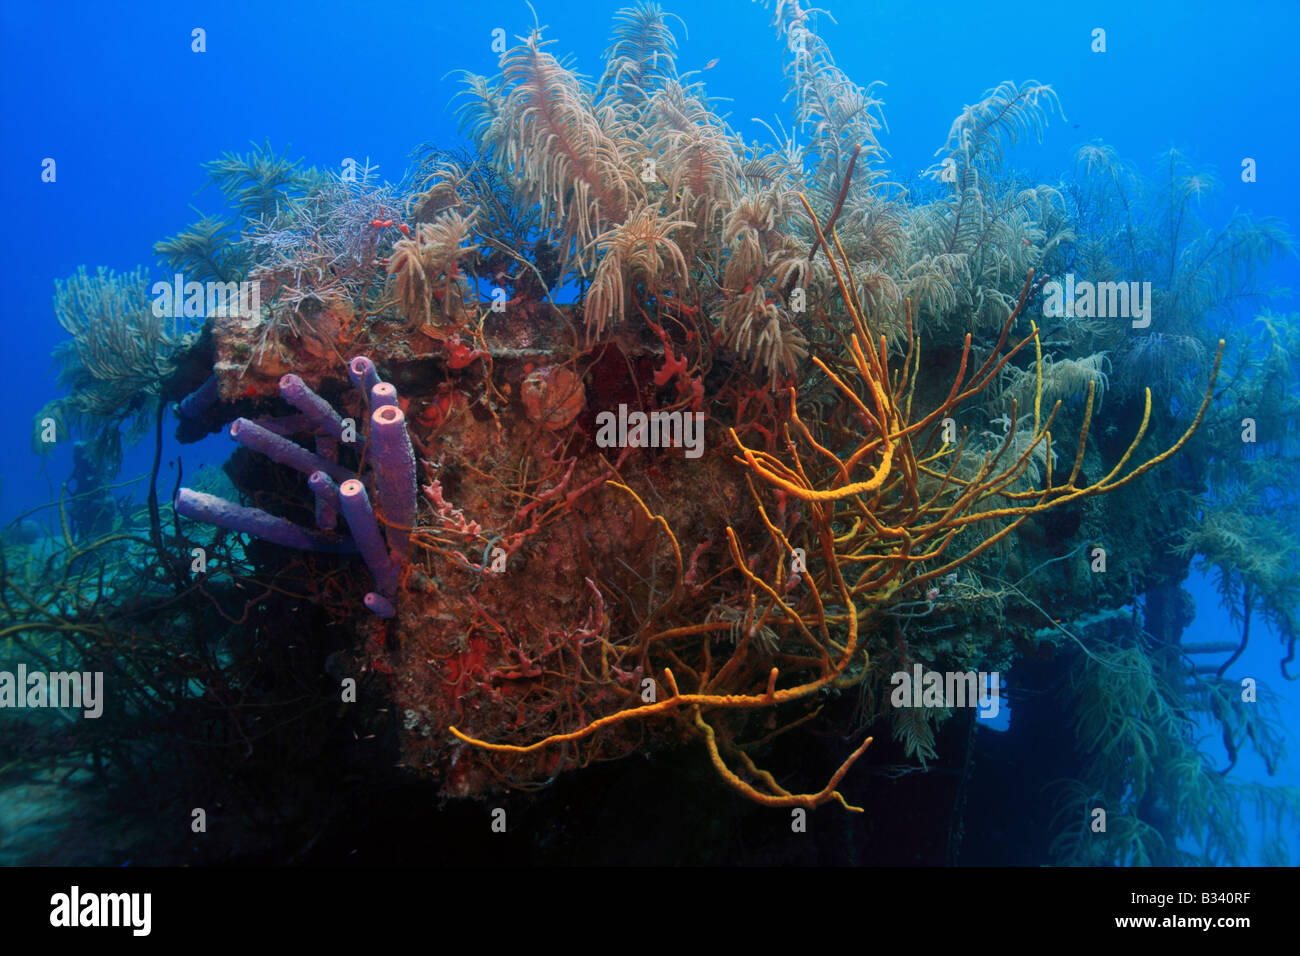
point(546, 137)
point(426, 268)
point(640, 249)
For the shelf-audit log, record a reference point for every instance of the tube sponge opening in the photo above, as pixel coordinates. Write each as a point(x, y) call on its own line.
point(379, 605)
point(384, 393)
point(362, 372)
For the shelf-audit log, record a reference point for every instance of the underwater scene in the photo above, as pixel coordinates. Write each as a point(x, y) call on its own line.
point(631, 433)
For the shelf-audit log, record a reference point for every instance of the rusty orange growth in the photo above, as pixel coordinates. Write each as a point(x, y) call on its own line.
point(905, 509)
point(898, 507)
point(712, 694)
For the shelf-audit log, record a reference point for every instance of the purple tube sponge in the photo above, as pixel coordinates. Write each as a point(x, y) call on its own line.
point(362, 372)
point(379, 605)
point(384, 393)
point(337, 490)
point(324, 419)
point(327, 511)
point(200, 506)
point(327, 499)
point(197, 402)
point(394, 463)
point(286, 424)
point(280, 449)
point(324, 487)
point(355, 505)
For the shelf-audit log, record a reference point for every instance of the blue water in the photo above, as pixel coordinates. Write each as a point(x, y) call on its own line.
point(114, 94)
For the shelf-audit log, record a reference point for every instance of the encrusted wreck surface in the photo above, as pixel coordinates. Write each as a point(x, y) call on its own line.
point(889, 450)
point(534, 575)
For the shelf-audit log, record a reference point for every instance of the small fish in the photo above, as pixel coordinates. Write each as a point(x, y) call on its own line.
point(711, 64)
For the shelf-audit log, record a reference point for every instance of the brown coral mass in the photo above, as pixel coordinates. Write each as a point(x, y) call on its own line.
point(553, 396)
